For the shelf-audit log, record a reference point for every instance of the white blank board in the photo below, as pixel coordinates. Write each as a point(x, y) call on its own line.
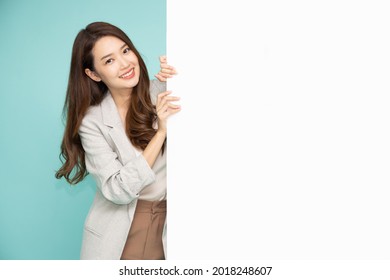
point(281, 150)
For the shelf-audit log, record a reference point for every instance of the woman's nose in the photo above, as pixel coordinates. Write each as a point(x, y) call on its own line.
point(123, 62)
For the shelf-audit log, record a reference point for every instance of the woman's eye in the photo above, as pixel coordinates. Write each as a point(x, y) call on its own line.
point(109, 61)
point(126, 50)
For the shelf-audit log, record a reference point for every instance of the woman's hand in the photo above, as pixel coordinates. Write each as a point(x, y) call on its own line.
point(166, 70)
point(166, 108)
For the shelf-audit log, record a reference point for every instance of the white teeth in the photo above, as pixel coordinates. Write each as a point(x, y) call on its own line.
point(127, 74)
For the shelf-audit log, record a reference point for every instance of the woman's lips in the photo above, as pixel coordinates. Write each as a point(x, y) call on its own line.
point(128, 75)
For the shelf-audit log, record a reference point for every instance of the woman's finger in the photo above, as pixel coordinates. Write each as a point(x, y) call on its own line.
point(166, 108)
point(169, 99)
point(165, 75)
point(172, 98)
point(172, 111)
point(167, 71)
point(161, 78)
point(167, 67)
point(166, 105)
point(163, 59)
point(162, 96)
point(173, 107)
point(162, 110)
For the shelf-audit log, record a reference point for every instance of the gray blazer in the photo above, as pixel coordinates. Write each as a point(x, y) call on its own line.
point(120, 175)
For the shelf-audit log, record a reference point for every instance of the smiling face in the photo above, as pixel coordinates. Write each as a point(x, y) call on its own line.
point(115, 65)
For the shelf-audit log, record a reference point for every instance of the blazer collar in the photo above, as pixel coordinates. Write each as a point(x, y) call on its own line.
point(111, 118)
point(110, 112)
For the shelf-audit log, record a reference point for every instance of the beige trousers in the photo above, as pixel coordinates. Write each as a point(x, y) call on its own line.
point(144, 241)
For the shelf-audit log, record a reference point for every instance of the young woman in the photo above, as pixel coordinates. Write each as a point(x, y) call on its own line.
point(116, 130)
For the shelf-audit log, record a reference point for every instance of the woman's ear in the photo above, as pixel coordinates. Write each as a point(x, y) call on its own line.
point(93, 75)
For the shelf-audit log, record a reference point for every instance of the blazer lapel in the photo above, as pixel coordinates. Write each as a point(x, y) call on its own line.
point(111, 118)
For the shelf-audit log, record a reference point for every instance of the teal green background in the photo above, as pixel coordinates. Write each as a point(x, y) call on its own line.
point(42, 217)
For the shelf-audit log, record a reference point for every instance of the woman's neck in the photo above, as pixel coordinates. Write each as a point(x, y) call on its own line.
point(121, 98)
point(122, 102)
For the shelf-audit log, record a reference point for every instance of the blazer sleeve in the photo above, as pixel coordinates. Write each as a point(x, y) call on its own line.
point(118, 183)
point(155, 88)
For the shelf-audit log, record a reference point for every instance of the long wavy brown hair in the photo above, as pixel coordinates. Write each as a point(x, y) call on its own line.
point(83, 92)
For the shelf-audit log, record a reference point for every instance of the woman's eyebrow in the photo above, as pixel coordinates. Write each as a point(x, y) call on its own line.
point(110, 54)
